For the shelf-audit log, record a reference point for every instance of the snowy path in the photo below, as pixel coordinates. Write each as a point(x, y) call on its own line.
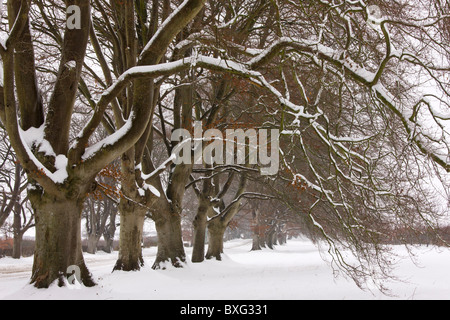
point(291, 272)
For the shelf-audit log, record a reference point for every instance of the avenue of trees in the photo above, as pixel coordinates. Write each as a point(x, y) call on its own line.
point(359, 93)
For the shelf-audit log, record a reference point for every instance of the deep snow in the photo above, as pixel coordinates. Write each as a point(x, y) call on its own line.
point(295, 271)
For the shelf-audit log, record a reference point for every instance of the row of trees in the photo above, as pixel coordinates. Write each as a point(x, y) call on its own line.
point(361, 100)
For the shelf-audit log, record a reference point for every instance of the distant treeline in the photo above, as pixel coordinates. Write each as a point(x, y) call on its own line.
point(421, 236)
point(6, 248)
point(28, 245)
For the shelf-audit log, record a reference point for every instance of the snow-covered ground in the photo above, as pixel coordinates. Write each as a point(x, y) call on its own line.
point(294, 271)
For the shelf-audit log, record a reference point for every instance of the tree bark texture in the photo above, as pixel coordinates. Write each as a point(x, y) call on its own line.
point(216, 232)
point(132, 219)
point(58, 241)
point(170, 241)
point(200, 224)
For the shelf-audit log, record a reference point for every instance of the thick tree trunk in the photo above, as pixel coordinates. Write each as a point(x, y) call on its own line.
point(256, 242)
point(18, 234)
point(216, 232)
point(132, 219)
point(282, 238)
point(108, 248)
point(275, 238)
point(262, 242)
point(271, 238)
point(58, 242)
point(17, 246)
point(256, 231)
point(170, 242)
point(200, 224)
point(199, 239)
point(92, 243)
point(108, 236)
point(110, 230)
